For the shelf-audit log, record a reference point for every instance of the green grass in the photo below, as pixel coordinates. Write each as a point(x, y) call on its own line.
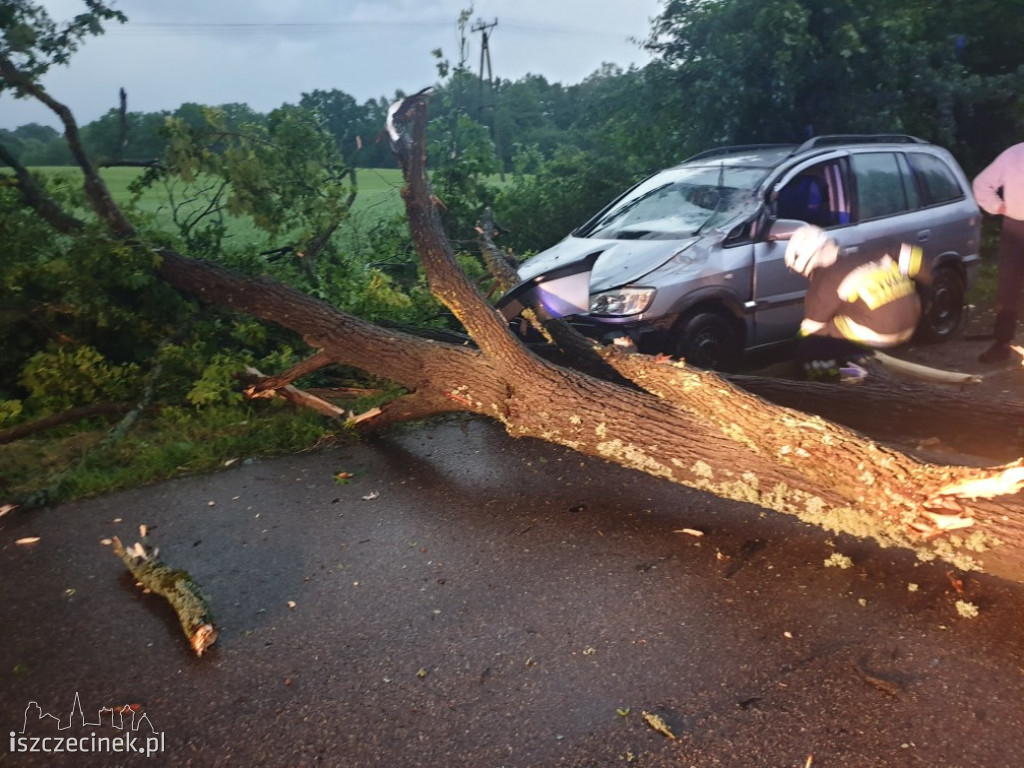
point(378, 198)
point(75, 463)
point(378, 193)
point(983, 292)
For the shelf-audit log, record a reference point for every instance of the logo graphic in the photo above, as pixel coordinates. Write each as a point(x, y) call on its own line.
point(138, 734)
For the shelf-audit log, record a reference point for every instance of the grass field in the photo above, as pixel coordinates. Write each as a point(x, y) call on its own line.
point(378, 195)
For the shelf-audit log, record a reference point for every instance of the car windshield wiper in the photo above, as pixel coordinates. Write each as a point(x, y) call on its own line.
point(632, 234)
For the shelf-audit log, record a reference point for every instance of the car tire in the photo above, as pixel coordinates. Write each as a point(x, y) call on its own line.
point(942, 306)
point(707, 340)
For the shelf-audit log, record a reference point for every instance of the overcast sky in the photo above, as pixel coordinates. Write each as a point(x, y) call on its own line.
point(268, 52)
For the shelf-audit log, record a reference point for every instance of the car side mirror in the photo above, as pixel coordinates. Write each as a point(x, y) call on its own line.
point(783, 229)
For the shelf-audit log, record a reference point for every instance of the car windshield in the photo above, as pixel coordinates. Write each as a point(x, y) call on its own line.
point(678, 203)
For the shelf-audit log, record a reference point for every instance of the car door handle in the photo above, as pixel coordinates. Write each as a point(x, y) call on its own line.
point(923, 235)
point(850, 250)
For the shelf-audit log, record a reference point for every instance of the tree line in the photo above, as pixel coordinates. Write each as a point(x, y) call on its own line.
point(723, 72)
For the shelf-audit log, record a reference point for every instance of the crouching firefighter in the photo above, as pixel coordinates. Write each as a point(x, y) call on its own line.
point(854, 304)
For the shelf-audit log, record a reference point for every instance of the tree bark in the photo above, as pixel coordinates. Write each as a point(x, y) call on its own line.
point(893, 410)
point(176, 587)
point(670, 421)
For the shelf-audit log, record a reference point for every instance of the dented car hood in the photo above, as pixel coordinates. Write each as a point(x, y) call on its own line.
point(619, 262)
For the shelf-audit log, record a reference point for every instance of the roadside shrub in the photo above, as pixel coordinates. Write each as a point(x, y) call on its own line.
point(60, 379)
point(10, 410)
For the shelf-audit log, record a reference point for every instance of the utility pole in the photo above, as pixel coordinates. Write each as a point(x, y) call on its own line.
point(484, 28)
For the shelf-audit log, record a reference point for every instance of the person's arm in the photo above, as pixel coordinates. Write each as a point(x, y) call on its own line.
point(988, 187)
point(821, 303)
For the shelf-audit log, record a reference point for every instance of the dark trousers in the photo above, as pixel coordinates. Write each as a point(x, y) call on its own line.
point(1011, 279)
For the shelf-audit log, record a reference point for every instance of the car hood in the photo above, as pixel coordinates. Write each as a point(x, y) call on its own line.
point(620, 261)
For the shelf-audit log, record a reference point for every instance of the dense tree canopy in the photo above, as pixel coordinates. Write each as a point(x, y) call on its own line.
point(749, 70)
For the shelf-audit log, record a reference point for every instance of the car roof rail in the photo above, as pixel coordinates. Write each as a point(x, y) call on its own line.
point(735, 149)
point(817, 142)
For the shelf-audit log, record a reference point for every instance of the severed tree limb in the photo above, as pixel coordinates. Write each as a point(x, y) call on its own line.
point(414, 406)
point(174, 585)
point(309, 365)
point(344, 393)
point(292, 394)
point(500, 264)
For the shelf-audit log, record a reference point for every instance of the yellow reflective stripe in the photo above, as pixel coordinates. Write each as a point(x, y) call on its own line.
point(854, 331)
point(911, 257)
point(808, 327)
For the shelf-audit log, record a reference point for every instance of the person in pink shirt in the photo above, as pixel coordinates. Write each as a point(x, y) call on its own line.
point(999, 190)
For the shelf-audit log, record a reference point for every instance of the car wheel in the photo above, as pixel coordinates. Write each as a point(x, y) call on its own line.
point(707, 340)
point(943, 306)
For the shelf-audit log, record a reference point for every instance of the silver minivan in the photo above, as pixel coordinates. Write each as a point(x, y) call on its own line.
point(689, 262)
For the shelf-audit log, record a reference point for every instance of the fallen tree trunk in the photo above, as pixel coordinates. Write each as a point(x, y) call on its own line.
point(673, 422)
point(892, 410)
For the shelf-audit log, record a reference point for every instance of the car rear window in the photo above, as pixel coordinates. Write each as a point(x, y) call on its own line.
point(935, 179)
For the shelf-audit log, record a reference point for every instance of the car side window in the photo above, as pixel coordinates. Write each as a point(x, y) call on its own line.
point(909, 185)
point(816, 195)
point(935, 179)
point(880, 189)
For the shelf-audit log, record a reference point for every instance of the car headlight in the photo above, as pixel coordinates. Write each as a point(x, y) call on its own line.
point(621, 302)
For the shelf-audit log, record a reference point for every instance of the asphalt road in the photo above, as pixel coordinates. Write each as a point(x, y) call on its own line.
point(471, 600)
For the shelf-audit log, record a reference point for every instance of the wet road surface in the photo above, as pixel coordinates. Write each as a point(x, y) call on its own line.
point(500, 602)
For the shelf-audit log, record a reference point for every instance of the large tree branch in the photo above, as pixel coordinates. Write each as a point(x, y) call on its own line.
point(455, 290)
point(305, 367)
point(501, 266)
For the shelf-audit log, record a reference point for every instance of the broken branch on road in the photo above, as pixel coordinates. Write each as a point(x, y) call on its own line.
point(174, 585)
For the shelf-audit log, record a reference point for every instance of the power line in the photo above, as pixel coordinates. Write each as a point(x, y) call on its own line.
point(179, 27)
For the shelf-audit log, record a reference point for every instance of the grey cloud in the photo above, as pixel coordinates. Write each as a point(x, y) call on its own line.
point(268, 52)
